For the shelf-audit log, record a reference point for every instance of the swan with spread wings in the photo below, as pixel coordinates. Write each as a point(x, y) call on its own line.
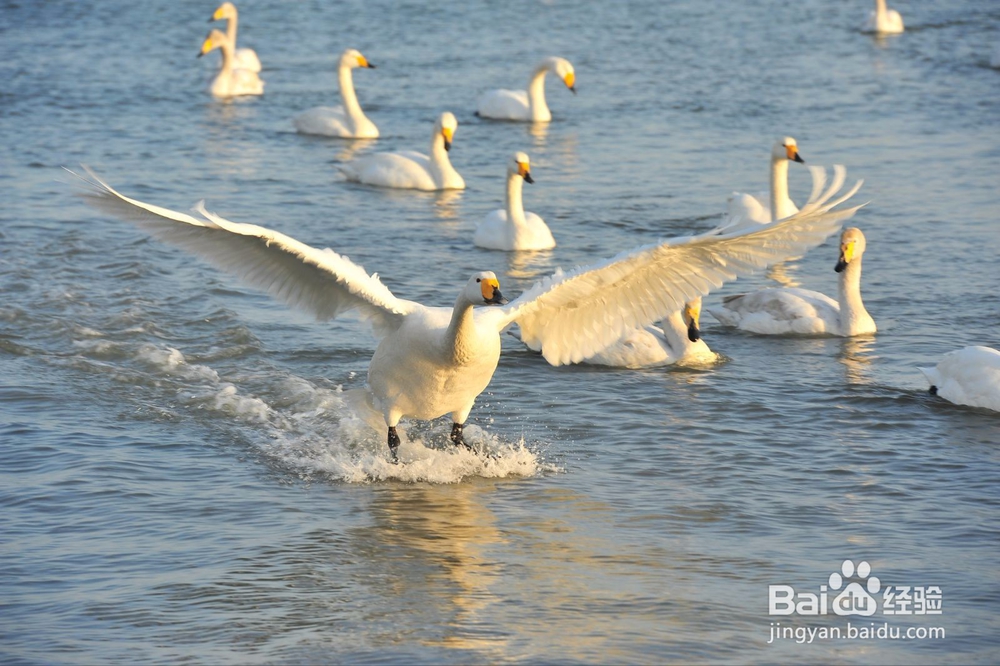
point(432, 361)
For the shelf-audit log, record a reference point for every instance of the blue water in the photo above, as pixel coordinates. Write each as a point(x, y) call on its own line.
point(183, 478)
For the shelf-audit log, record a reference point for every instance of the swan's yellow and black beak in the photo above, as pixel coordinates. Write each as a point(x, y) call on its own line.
point(491, 292)
point(363, 62)
point(217, 15)
point(846, 254)
point(793, 154)
point(447, 134)
point(570, 82)
point(692, 313)
point(524, 172)
point(206, 46)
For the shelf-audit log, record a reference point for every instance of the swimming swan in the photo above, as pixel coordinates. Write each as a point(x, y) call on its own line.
point(527, 105)
point(347, 121)
point(512, 228)
point(969, 376)
point(231, 81)
point(243, 58)
point(677, 340)
point(883, 20)
point(744, 211)
point(784, 310)
point(433, 361)
point(409, 169)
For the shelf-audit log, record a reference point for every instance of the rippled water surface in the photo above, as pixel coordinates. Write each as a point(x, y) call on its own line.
point(184, 476)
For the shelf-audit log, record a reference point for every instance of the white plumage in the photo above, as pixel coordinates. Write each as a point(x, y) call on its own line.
point(884, 21)
point(744, 211)
point(409, 169)
point(968, 376)
point(432, 361)
point(513, 228)
point(527, 105)
point(243, 58)
point(787, 310)
point(231, 81)
point(347, 121)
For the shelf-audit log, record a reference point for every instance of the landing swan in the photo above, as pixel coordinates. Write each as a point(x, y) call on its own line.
point(677, 340)
point(512, 228)
point(969, 376)
point(744, 211)
point(785, 310)
point(883, 20)
point(347, 121)
point(243, 58)
point(433, 361)
point(527, 105)
point(409, 169)
point(231, 81)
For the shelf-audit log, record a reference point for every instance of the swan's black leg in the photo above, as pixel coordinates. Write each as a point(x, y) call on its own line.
point(456, 436)
point(393, 443)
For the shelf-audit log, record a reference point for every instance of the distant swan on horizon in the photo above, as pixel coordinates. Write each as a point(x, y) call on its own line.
point(884, 21)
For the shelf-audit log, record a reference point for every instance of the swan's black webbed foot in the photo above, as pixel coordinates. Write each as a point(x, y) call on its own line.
point(456, 436)
point(393, 444)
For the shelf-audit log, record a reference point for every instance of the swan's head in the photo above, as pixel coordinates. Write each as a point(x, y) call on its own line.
point(226, 10)
point(484, 289)
point(352, 58)
point(446, 125)
point(520, 165)
point(787, 148)
point(852, 246)
point(215, 39)
point(692, 313)
point(564, 70)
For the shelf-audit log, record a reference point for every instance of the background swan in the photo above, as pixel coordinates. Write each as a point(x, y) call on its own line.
point(243, 58)
point(347, 121)
point(744, 211)
point(230, 81)
point(968, 376)
point(433, 361)
point(512, 228)
point(527, 105)
point(409, 169)
point(884, 20)
point(677, 340)
point(788, 310)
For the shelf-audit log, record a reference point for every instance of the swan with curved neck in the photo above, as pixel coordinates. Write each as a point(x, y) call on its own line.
point(347, 121)
point(676, 340)
point(527, 105)
point(410, 169)
point(243, 58)
point(883, 20)
point(513, 228)
point(779, 311)
point(744, 211)
point(231, 81)
point(433, 361)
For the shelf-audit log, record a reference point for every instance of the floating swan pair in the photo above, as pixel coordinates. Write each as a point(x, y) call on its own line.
point(433, 361)
point(238, 75)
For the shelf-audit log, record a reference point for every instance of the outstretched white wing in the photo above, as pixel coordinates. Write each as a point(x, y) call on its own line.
point(574, 315)
point(319, 281)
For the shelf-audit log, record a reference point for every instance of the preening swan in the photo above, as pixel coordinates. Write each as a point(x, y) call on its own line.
point(231, 81)
point(409, 169)
point(969, 376)
point(243, 58)
point(883, 20)
point(785, 310)
point(527, 105)
point(512, 228)
point(347, 121)
point(433, 361)
point(744, 211)
point(677, 340)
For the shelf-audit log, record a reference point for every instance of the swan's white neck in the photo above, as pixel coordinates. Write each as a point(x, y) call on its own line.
point(351, 106)
point(675, 331)
point(231, 28)
point(781, 205)
point(228, 56)
point(880, 10)
point(854, 318)
point(513, 201)
point(460, 337)
point(537, 108)
point(440, 167)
